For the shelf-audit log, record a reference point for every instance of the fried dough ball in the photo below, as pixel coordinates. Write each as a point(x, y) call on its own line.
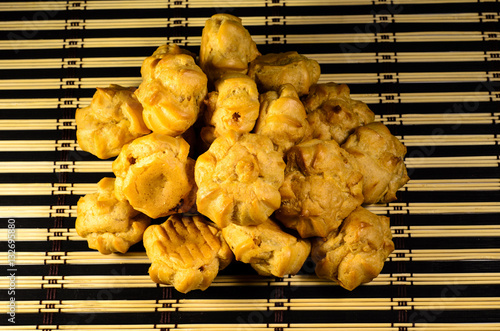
point(355, 254)
point(155, 175)
point(238, 179)
point(282, 117)
point(332, 114)
point(186, 252)
point(380, 156)
point(172, 90)
point(109, 225)
point(322, 186)
point(113, 118)
point(267, 248)
point(272, 70)
point(226, 46)
point(233, 106)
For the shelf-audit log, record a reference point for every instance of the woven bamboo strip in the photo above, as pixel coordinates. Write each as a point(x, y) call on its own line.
point(424, 36)
point(39, 124)
point(113, 62)
point(54, 166)
point(473, 184)
point(44, 234)
point(144, 281)
point(109, 306)
point(417, 140)
point(93, 257)
point(270, 327)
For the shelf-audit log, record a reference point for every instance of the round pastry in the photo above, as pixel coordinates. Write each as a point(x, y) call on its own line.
point(355, 254)
point(172, 90)
point(380, 156)
point(113, 118)
point(109, 225)
point(226, 46)
point(234, 105)
point(272, 70)
point(267, 248)
point(282, 117)
point(238, 179)
point(186, 252)
point(322, 186)
point(332, 114)
point(155, 175)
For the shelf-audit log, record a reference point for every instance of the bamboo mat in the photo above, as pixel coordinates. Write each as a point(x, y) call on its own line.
point(429, 70)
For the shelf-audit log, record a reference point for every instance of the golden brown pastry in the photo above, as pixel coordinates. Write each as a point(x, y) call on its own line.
point(380, 156)
point(155, 175)
point(332, 114)
point(172, 90)
point(234, 105)
point(186, 252)
point(322, 186)
point(109, 225)
point(272, 70)
point(282, 117)
point(238, 179)
point(226, 46)
point(113, 118)
point(267, 248)
point(355, 254)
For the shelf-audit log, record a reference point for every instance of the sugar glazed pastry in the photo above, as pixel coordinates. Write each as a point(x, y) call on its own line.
point(234, 105)
point(186, 252)
point(107, 224)
point(226, 46)
point(172, 90)
point(113, 118)
point(282, 117)
point(272, 70)
point(380, 156)
point(238, 179)
point(267, 248)
point(322, 186)
point(155, 175)
point(355, 254)
point(332, 114)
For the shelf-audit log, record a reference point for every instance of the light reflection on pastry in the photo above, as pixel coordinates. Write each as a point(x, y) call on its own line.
point(155, 175)
point(332, 114)
point(226, 46)
point(272, 70)
point(172, 90)
point(267, 248)
point(234, 105)
point(282, 117)
point(322, 186)
point(355, 254)
point(113, 118)
point(380, 156)
point(238, 179)
point(186, 252)
point(107, 224)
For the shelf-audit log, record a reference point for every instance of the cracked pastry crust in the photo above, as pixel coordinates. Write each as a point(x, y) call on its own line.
point(113, 118)
point(234, 105)
point(107, 224)
point(332, 114)
point(186, 252)
point(322, 186)
point(238, 179)
point(267, 248)
point(272, 70)
point(282, 117)
point(380, 156)
point(355, 254)
point(226, 46)
point(155, 175)
point(172, 90)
